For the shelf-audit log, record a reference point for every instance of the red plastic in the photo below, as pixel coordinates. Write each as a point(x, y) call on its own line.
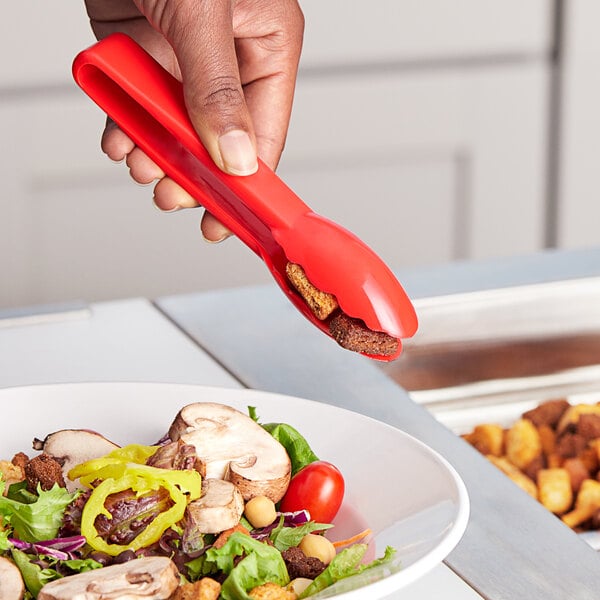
point(147, 103)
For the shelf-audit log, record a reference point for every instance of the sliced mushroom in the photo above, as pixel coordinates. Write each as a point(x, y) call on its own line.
point(220, 507)
point(11, 582)
point(71, 447)
point(234, 447)
point(152, 577)
point(174, 455)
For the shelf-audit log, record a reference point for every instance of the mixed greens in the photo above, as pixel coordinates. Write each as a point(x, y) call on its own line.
point(128, 507)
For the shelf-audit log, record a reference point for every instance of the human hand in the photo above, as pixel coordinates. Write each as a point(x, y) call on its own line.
point(237, 60)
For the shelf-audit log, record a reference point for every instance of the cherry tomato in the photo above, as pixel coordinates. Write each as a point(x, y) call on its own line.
point(318, 488)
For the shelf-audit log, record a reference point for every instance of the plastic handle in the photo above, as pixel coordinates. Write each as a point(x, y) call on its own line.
point(147, 103)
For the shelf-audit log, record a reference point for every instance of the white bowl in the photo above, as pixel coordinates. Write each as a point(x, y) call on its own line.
point(407, 494)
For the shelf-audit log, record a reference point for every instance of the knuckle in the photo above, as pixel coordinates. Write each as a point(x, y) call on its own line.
point(293, 21)
point(223, 91)
point(299, 21)
point(219, 103)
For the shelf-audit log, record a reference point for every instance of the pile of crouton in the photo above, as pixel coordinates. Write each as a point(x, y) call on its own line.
point(553, 453)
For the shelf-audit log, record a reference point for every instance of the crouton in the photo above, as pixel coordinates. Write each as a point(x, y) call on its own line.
point(320, 303)
point(354, 335)
point(570, 445)
point(523, 443)
point(588, 426)
point(271, 591)
point(488, 438)
point(10, 473)
point(577, 471)
point(43, 470)
point(554, 490)
point(571, 416)
point(547, 439)
point(547, 413)
point(204, 589)
point(586, 504)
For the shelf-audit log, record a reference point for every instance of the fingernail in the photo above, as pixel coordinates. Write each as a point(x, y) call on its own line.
point(165, 210)
point(237, 152)
point(217, 241)
point(212, 231)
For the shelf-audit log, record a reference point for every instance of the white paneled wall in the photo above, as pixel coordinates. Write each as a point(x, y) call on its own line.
point(419, 124)
point(579, 209)
point(420, 179)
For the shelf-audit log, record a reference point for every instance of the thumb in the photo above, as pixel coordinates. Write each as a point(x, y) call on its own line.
point(201, 34)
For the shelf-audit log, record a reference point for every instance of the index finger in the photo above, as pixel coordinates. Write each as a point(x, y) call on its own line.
point(268, 55)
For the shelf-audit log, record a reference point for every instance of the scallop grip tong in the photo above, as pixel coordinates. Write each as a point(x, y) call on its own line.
point(147, 103)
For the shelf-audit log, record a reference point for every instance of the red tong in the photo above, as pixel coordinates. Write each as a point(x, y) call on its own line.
point(147, 103)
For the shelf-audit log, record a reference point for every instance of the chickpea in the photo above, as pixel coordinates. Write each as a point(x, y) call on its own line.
point(260, 511)
point(318, 546)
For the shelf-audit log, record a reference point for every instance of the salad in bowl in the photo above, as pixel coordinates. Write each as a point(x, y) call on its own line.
point(222, 507)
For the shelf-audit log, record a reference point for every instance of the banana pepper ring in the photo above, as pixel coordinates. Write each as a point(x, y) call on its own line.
point(133, 453)
point(117, 476)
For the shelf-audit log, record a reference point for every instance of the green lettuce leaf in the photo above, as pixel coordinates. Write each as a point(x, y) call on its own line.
point(81, 565)
point(387, 557)
point(262, 563)
point(4, 543)
point(200, 567)
point(39, 520)
point(297, 447)
point(291, 439)
point(343, 565)
point(286, 537)
point(33, 575)
point(19, 492)
point(346, 564)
